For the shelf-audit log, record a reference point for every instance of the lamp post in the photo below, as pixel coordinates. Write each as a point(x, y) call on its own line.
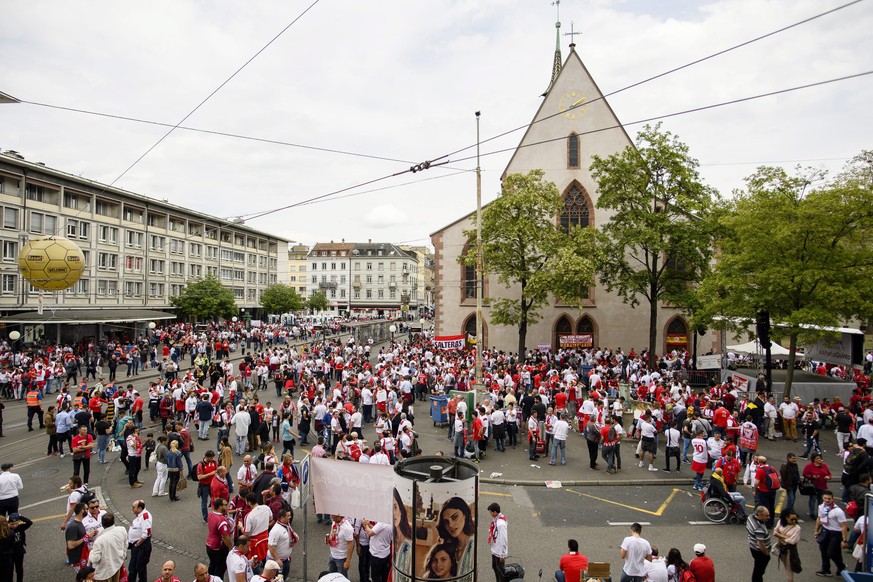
point(14, 335)
point(480, 283)
point(392, 328)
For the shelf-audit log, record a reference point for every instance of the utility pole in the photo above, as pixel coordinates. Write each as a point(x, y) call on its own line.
point(480, 276)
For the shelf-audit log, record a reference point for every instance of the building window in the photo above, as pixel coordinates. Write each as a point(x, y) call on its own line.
point(392, 294)
point(133, 239)
point(10, 250)
point(573, 151)
point(133, 289)
point(195, 249)
point(156, 267)
point(357, 295)
point(107, 234)
point(381, 294)
point(157, 243)
point(156, 289)
point(576, 211)
point(35, 193)
point(133, 215)
point(107, 261)
point(10, 218)
point(133, 264)
point(10, 284)
point(369, 293)
point(78, 229)
point(369, 279)
point(369, 266)
point(43, 223)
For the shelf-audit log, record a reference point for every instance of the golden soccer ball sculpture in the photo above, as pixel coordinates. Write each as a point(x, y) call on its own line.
point(51, 263)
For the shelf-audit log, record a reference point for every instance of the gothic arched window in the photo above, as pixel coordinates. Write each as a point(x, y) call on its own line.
point(576, 210)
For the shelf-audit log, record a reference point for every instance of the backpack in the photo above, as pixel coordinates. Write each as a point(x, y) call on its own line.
point(686, 575)
point(771, 478)
point(355, 451)
point(86, 495)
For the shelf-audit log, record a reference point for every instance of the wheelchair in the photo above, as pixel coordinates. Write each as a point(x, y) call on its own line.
point(717, 509)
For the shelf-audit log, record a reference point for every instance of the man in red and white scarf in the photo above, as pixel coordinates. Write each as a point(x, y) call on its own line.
point(498, 539)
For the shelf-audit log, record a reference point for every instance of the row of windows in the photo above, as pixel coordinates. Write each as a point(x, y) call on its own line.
point(368, 266)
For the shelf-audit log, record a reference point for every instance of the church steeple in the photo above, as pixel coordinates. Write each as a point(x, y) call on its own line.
point(556, 65)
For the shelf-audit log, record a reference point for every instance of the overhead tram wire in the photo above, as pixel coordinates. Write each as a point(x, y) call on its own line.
point(315, 148)
point(215, 132)
point(677, 113)
point(431, 163)
point(203, 102)
point(216, 90)
point(668, 72)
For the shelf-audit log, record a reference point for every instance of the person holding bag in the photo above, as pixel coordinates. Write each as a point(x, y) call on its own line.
point(787, 532)
point(816, 473)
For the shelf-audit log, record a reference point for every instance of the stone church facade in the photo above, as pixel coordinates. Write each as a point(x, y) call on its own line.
point(574, 123)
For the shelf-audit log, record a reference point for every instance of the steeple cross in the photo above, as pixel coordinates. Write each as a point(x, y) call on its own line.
point(571, 34)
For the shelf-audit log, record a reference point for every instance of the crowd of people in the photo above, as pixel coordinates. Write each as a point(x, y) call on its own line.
point(359, 406)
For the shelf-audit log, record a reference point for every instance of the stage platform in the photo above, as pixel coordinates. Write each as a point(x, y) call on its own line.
point(804, 384)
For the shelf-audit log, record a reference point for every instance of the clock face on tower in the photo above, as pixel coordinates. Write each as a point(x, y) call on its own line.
point(573, 104)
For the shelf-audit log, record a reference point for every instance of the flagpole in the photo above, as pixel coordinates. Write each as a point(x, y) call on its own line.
point(479, 271)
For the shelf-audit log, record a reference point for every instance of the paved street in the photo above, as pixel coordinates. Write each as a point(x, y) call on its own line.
point(590, 506)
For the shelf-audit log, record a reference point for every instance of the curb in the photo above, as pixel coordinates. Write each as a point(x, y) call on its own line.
point(586, 482)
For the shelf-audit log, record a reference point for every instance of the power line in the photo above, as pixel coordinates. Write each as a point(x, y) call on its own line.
point(617, 126)
point(216, 90)
point(673, 70)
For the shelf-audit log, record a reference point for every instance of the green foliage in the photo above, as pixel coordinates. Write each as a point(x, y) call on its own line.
point(318, 301)
point(279, 298)
point(523, 244)
point(204, 300)
point(662, 220)
point(799, 247)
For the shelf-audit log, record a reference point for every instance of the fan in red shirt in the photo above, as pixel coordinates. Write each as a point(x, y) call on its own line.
point(572, 564)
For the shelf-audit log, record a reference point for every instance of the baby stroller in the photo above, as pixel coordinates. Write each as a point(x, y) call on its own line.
point(719, 506)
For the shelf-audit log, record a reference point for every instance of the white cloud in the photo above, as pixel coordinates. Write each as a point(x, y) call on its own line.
point(385, 216)
point(350, 77)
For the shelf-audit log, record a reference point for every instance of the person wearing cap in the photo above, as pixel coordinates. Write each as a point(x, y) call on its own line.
point(205, 471)
point(10, 488)
point(19, 526)
point(271, 569)
point(701, 566)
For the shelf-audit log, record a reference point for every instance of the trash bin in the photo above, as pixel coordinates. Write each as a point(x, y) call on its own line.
point(438, 410)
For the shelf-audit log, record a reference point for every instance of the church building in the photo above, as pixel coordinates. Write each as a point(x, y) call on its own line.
point(574, 111)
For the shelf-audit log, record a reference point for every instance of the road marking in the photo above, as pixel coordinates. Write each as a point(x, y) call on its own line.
point(14, 443)
point(43, 501)
point(495, 493)
point(658, 513)
point(629, 523)
point(702, 523)
point(779, 502)
point(46, 518)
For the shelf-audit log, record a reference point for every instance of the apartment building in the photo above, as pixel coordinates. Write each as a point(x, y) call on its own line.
point(139, 251)
point(298, 260)
point(365, 278)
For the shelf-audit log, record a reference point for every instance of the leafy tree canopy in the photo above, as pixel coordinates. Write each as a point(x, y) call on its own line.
point(662, 220)
point(279, 298)
point(798, 246)
point(318, 301)
point(205, 299)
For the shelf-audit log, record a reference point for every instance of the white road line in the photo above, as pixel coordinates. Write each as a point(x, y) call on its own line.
point(14, 443)
point(702, 523)
point(30, 462)
point(629, 523)
point(43, 501)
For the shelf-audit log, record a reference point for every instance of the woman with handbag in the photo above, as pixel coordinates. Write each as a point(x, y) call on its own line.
point(817, 474)
point(787, 532)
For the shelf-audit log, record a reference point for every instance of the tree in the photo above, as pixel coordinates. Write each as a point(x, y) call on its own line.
point(798, 247)
point(523, 244)
point(318, 301)
point(279, 298)
point(659, 234)
point(205, 299)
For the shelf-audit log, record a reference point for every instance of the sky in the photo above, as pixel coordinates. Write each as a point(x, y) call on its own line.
point(394, 83)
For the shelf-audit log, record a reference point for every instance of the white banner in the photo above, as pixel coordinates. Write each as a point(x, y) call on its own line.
point(449, 342)
point(353, 489)
point(712, 362)
point(838, 352)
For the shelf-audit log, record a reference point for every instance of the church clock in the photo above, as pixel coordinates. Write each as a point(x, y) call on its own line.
point(573, 104)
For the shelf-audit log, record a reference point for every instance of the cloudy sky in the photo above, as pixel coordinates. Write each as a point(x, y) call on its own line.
point(391, 83)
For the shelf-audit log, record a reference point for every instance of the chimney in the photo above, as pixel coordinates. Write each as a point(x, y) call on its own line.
point(369, 241)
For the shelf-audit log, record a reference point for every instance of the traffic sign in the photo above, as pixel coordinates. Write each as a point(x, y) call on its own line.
point(304, 479)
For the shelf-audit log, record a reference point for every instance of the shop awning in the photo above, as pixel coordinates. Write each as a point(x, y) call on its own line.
point(80, 316)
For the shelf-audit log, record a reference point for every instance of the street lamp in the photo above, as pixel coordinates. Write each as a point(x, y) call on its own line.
point(392, 329)
point(234, 319)
point(15, 335)
point(152, 325)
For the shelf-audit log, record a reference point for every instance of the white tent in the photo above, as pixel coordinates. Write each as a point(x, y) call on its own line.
point(754, 347)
